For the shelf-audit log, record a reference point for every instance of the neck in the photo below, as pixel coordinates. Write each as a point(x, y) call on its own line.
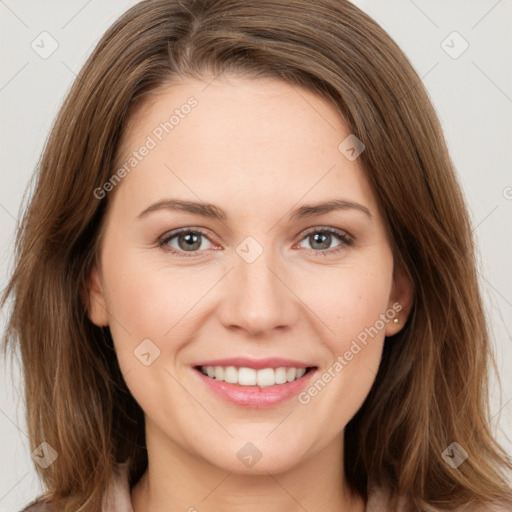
point(178, 480)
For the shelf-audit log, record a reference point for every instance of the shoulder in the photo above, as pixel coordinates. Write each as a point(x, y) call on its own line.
point(379, 501)
point(39, 505)
point(116, 498)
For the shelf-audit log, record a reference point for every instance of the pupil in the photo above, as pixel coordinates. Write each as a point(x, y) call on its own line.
point(325, 236)
point(191, 239)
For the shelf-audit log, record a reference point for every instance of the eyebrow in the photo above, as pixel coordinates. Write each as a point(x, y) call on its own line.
point(214, 212)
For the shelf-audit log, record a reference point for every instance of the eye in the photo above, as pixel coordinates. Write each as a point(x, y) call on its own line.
point(321, 239)
point(187, 240)
point(190, 241)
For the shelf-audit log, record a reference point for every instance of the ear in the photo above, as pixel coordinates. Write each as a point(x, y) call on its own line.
point(97, 306)
point(400, 300)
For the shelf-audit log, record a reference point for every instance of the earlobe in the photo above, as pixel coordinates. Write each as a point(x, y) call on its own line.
point(400, 301)
point(97, 307)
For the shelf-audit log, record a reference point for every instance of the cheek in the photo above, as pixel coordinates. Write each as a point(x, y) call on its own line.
point(348, 372)
point(144, 304)
point(352, 300)
point(149, 312)
point(352, 306)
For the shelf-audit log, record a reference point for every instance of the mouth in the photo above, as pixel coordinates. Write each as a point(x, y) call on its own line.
point(247, 376)
point(254, 383)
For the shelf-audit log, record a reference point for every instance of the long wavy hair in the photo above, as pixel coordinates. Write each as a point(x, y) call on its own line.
point(432, 386)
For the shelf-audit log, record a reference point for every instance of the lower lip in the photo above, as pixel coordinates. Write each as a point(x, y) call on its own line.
point(254, 396)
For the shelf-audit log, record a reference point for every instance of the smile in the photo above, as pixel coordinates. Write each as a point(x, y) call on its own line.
point(255, 383)
point(244, 376)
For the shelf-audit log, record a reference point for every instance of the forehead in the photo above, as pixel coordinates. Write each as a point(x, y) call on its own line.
point(261, 139)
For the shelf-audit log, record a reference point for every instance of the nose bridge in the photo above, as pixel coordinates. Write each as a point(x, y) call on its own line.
point(260, 299)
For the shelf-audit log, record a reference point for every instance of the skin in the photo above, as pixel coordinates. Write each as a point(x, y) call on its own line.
point(257, 148)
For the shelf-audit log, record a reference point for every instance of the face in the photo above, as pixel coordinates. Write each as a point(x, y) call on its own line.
point(256, 288)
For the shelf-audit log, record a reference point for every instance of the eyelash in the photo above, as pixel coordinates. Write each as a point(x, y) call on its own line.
point(346, 240)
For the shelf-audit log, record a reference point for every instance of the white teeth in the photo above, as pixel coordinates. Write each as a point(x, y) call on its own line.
point(291, 373)
point(247, 377)
point(231, 375)
point(219, 373)
point(280, 375)
point(251, 377)
point(266, 377)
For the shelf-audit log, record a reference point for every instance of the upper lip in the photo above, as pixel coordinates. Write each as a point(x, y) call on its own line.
point(257, 364)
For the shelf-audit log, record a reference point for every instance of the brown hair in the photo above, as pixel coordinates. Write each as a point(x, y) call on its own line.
point(432, 385)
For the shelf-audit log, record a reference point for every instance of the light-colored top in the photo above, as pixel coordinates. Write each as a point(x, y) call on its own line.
point(118, 498)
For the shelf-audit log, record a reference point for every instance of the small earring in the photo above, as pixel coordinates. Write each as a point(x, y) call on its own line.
point(396, 320)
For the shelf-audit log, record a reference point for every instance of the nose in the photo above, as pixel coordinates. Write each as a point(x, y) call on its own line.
point(257, 297)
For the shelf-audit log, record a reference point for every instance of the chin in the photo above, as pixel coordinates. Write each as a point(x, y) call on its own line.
point(258, 458)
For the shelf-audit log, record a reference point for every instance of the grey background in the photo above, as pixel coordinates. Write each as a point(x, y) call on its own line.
point(472, 94)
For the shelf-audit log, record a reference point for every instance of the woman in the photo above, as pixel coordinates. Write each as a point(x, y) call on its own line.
point(186, 344)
